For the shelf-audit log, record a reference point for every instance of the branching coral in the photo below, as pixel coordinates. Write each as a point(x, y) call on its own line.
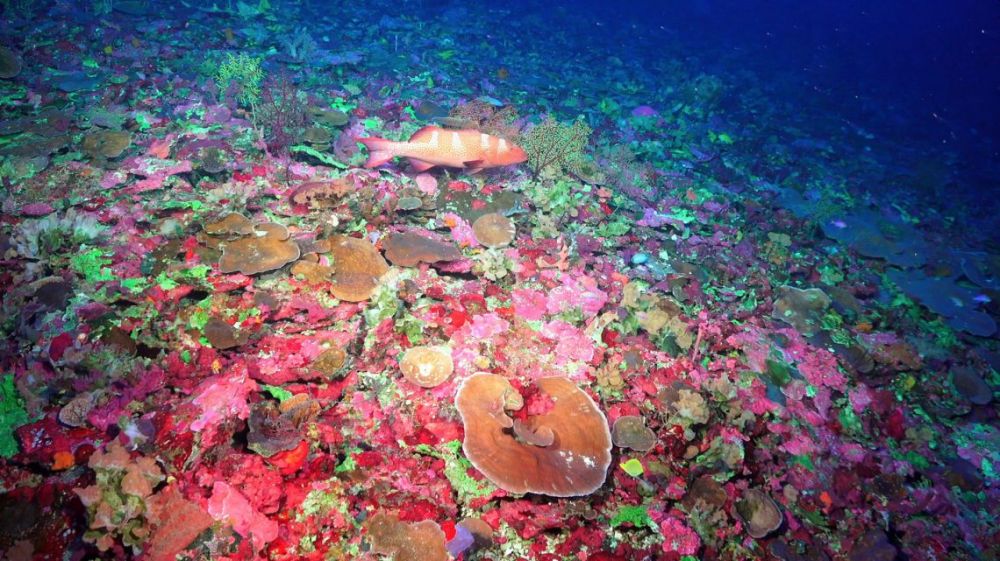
point(620, 167)
point(243, 74)
point(280, 115)
point(551, 144)
point(300, 46)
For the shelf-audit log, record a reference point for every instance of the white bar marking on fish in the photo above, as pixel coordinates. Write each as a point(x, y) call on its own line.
point(434, 139)
point(456, 142)
point(502, 147)
point(484, 140)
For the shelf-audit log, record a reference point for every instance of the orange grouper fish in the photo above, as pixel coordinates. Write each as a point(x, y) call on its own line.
point(434, 146)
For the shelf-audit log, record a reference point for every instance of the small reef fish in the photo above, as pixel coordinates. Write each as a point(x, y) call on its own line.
point(434, 146)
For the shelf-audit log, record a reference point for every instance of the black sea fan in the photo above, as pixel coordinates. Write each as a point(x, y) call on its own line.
point(281, 115)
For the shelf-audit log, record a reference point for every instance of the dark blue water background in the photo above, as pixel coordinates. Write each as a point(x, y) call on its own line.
point(924, 75)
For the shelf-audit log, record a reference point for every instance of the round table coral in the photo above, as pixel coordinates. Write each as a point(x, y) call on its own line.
point(427, 366)
point(269, 249)
point(760, 514)
point(562, 452)
point(494, 230)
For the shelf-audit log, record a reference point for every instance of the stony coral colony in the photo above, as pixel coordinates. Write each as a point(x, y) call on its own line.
point(226, 339)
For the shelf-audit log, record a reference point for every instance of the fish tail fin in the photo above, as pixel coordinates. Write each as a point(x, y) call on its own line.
point(380, 151)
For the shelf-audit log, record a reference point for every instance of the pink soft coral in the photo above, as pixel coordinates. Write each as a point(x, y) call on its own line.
point(678, 538)
point(528, 304)
point(461, 230)
point(572, 344)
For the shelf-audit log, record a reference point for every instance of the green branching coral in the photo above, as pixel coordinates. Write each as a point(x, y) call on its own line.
point(551, 144)
point(245, 71)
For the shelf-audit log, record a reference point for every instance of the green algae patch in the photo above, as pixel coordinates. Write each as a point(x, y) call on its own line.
point(637, 516)
point(456, 469)
point(12, 415)
point(92, 265)
point(323, 158)
point(281, 394)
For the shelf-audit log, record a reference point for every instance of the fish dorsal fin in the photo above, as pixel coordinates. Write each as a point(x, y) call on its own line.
point(425, 133)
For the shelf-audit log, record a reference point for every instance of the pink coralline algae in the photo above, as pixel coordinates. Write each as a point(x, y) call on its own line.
point(218, 310)
point(228, 505)
point(571, 343)
point(461, 230)
point(577, 292)
point(678, 538)
point(36, 209)
point(652, 219)
point(485, 326)
point(220, 398)
point(529, 304)
point(426, 183)
point(818, 366)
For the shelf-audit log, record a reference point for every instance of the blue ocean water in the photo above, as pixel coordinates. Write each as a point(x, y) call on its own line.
point(914, 75)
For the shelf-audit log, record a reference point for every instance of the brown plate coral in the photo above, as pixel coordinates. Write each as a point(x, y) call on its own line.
point(269, 248)
point(564, 452)
point(358, 268)
point(760, 514)
point(409, 249)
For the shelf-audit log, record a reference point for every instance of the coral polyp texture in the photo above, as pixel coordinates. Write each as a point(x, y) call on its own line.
point(468, 281)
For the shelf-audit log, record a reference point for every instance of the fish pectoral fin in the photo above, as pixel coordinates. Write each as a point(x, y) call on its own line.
point(474, 166)
point(420, 165)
